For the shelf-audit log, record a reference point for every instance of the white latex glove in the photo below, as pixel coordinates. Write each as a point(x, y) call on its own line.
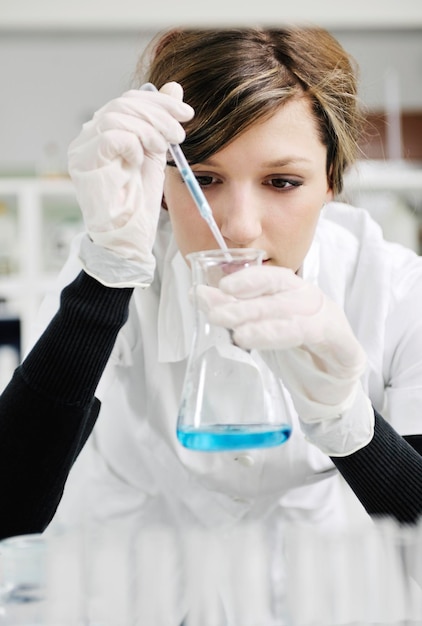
point(117, 164)
point(307, 340)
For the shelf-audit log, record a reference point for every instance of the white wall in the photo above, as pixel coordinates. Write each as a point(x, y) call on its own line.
point(53, 80)
point(136, 14)
point(380, 50)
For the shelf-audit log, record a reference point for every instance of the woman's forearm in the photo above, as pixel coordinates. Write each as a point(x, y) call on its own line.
point(385, 475)
point(48, 409)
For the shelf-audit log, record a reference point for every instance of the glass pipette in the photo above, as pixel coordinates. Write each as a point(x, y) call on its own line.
point(192, 184)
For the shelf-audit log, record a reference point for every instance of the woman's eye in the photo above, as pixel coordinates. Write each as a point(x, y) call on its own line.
point(204, 180)
point(282, 183)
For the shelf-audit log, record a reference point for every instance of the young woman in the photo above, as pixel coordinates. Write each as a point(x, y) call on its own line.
point(269, 122)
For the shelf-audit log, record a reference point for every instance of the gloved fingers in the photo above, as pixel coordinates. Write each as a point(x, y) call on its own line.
point(288, 305)
point(152, 118)
point(153, 132)
point(149, 137)
point(258, 280)
point(160, 122)
point(173, 89)
point(325, 336)
point(103, 149)
point(139, 103)
point(209, 297)
point(299, 316)
point(280, 334)
point(343, 349)
point(125, 137)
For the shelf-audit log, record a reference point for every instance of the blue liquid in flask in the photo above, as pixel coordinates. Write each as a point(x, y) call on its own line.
point(223, 437)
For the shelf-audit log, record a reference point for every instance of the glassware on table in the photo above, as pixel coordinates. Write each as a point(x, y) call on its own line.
point(231, 400)
point(22, 580)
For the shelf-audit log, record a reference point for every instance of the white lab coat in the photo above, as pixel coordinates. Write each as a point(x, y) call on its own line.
point(133, 463)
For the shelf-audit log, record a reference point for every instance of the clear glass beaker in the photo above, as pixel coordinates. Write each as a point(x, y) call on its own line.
point(231, 400)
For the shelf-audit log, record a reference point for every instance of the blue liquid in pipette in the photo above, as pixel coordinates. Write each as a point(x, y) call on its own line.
point(225, 437)
point(201, 202)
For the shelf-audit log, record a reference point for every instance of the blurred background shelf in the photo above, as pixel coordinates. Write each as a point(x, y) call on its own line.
point(397, 176)
point(392, 193)
point(43, 216)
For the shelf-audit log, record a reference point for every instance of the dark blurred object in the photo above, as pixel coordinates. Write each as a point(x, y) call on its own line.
point(10, 343)
point(10, 329)
point(374, 145)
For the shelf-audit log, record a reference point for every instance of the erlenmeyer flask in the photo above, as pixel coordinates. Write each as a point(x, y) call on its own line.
point(231, 400)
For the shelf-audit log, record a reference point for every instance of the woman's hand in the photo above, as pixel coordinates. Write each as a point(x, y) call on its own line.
point(117, 164)
point(307, 340)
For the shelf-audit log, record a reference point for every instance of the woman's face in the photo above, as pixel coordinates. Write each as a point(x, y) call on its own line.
point(266, 189)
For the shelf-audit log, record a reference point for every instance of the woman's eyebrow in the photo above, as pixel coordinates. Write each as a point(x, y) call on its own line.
point(288, 160)
point(274, 163)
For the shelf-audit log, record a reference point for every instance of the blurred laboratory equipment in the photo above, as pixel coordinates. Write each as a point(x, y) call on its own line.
point(360, 576)
point(8, 239)
point(42, 218)
point(231, 400)
point(22, 580)
point(391, 192)
point(399, 222)
point(51, 163)
point(394, 140)
point(124, 573)
point(389, 185)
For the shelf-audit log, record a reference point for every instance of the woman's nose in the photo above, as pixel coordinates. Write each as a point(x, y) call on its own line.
point(241, 220)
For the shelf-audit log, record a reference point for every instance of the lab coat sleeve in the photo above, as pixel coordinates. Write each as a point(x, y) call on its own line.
point(386, 475)
point(49, 409)
point(403, 351)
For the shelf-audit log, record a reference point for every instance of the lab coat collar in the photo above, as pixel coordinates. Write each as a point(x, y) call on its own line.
point(309, 269)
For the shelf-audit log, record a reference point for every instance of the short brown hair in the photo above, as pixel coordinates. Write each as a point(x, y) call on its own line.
point(234, 76)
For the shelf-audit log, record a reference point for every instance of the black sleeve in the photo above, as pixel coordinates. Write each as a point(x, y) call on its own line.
point(386, 475)
point(48, 409)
